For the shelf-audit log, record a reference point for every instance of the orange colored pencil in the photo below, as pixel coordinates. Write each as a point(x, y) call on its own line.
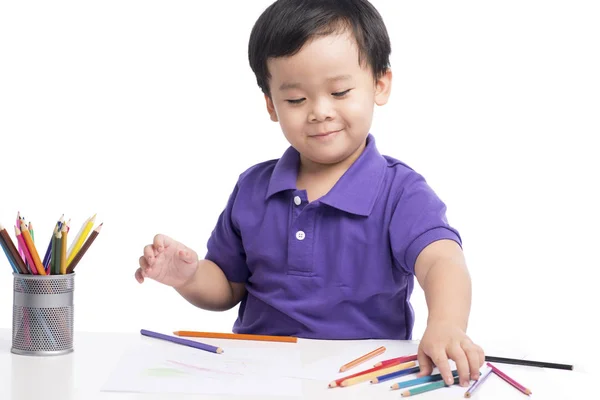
point(237, 336)
point(339, 381)
point(362, 359)
point(35, 257)
point(63, 248)
point(397, 359)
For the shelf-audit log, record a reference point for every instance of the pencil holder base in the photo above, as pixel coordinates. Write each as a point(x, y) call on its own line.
point(42, 315)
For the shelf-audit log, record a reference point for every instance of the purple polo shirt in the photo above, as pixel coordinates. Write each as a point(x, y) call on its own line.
point(340, 267)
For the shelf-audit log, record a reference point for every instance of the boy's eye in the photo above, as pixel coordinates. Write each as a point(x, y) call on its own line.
point(341, 94)
point(295, 101)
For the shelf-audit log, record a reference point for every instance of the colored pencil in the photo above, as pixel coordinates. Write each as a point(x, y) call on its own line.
point(369, 376)
point(52, 262)
point(30, 263)
point(510, 380)
point(529, 363)
point(80, 239)
point(84, 249)
point(477, 383)
point(31, 232)
point(57, 253)
point(396, 374)
point(185, 342)
point(35, 257)
point(48, 255)
point(21, 251)
point(237, 336)
point(339, 381)
point(19, 263)
point(397, 359)
point(9, 256)
point(63, 249)
point(418, 381)
point(428, 388)
point(362, 359)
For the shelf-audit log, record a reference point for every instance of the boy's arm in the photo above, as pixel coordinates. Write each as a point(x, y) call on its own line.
point(209, 288)
point(442, 273)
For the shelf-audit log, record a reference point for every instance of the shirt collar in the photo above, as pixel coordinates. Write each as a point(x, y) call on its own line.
point(355, 192)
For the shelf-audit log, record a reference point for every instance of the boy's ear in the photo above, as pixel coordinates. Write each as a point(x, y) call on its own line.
point(383, 88)
point(271, 108)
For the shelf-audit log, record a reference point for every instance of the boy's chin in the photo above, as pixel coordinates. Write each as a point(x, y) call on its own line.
point(327, 157)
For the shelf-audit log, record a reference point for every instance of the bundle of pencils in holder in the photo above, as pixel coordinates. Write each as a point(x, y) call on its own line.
point(58, 259)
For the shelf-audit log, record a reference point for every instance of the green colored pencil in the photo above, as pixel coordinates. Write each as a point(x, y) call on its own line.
point(53, 252)
point(57, 259)
point(427, 388)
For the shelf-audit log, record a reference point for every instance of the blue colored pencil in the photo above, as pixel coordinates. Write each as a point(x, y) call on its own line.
point(10, 260)
point(418, 381)
point(185, 342)
point(396, 374)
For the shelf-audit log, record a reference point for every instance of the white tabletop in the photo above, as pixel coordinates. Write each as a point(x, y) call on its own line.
point(81, 374)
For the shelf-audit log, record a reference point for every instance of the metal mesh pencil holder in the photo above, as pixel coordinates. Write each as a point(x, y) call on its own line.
point(42, 321)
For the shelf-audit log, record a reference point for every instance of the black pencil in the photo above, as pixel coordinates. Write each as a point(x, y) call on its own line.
point(529, 363)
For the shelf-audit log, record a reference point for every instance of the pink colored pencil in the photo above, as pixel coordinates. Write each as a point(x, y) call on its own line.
point(20, 248)
point(23, 245)
point(510, 380)
point(402, 359)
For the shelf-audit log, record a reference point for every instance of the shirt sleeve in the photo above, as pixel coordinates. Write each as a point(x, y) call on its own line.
point(418, 220)
point(225, 247)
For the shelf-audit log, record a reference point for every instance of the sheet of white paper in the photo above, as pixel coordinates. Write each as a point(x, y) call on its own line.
point(169, 368)
point(327, 368)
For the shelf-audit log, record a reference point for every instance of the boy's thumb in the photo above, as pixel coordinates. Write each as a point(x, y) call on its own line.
point(186, 256)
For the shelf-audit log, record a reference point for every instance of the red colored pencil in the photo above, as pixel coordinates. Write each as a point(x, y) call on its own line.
point(396, 360)
point(510, 380)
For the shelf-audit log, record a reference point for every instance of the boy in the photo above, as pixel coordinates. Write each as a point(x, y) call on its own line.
point(324, 242)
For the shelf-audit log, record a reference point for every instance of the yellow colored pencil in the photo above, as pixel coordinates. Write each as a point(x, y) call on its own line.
point(35, 257)
point(375, 374)
point(64, 230)
point(80, 239)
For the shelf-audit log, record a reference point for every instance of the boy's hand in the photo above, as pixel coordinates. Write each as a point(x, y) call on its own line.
point(168, 262)
point(442, 341)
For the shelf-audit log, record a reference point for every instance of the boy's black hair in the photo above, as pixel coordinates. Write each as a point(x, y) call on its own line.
point(286, 25)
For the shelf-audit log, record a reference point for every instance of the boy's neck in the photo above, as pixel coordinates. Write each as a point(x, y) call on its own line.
point(318, 179)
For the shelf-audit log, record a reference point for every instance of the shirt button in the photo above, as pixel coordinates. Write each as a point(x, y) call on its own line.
point(297, 200)
point(300, 235)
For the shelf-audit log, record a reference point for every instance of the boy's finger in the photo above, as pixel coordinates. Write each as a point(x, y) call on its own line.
point(481, 356)
point(425, 364)
point(462, 364)
point(187, 256)
point(440, 359)
point(149, 256)
point(473, 359)
point(138, 276)
point(160, 242)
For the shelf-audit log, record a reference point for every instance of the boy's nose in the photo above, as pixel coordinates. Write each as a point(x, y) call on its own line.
point(321, 110)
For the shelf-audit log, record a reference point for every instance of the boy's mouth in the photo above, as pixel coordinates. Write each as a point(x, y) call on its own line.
point(326, 134)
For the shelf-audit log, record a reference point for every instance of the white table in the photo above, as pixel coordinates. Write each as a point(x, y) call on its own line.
point(81, 374)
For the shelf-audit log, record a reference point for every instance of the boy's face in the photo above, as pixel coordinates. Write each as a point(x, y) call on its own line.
point(324, 100)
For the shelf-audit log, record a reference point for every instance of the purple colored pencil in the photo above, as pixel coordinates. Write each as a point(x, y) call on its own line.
point(185, 342)
point(478, 383)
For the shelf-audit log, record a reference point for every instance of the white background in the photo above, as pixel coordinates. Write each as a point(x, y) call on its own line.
point(145, 112)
